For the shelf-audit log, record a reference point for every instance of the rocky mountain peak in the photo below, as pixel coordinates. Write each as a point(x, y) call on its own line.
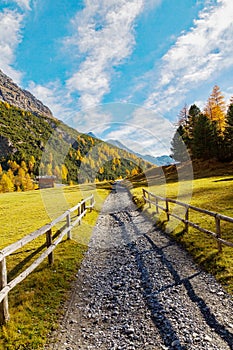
point(23, 99)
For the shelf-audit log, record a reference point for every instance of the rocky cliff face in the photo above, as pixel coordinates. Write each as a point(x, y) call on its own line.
point(23, 99)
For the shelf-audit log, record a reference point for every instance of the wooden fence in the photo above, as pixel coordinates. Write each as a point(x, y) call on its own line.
point(153, 199)
point(46, 230)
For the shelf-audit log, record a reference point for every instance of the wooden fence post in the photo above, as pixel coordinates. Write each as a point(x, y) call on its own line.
point(186, 228)
point(144, 195)
point(79, 213)
point(4, 312)
point(218, 232)
point(81, 206)
point(91, 203)
point(167, 210)
point(149, 199)
point(68, 222)
point(156, 205)
point(49, 242)
point(84, 206)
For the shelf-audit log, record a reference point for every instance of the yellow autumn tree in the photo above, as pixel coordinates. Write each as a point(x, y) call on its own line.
point(215, 108)
point(13, 165)
point(57, 172)
point(6, 185)
point(31, 163)
point(134, 171)
point(49, 169)
point(64, 172)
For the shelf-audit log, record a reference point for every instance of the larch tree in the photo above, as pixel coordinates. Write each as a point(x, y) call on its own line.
point(183, 116)
point(215, 108)
point(6, 185)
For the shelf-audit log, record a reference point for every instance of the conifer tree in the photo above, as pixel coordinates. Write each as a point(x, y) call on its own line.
point(228, 134)
point(204, 140)
point(215, 108)
point(178, 147)
point(6, 185)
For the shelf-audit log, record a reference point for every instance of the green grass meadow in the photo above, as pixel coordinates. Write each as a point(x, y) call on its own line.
point(35, 303)
point(211, 193)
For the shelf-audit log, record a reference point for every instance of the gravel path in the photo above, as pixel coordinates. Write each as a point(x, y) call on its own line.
point(137, 289)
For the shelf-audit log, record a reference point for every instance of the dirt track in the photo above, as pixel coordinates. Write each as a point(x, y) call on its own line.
point(137, 289)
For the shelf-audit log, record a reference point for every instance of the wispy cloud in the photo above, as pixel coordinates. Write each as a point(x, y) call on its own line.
point(10, 37)
point(197, 56)
point(144, 132)
point(54, 96)
point(24, 4)
point(104, 38)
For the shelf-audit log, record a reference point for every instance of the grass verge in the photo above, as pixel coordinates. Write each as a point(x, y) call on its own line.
point(211, 193)
point(36, 303)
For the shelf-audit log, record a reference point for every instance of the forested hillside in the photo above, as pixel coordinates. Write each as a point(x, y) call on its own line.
point(26, 153)
point(208, 133)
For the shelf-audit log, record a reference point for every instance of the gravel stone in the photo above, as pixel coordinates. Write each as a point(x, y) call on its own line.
point(137, 289)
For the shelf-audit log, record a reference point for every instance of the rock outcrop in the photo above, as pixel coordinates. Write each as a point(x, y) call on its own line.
point(23, 99)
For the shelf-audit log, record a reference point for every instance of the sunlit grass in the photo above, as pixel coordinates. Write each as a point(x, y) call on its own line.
point(214, 194)
point(35, 303)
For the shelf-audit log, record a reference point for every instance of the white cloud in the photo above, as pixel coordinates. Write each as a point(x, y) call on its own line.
point(197, 56)
point(93, 119)
point(53, 96)
point(145, 133)
point(104, 35)
point(24, 4)
point(10, 37)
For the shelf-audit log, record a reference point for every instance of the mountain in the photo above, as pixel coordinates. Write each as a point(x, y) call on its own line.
point(33, 142)
point(92, 135)
point(12, 94)
point(120, 145)
point(159, 161)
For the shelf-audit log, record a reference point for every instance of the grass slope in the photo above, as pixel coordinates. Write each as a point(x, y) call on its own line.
point(35, 304)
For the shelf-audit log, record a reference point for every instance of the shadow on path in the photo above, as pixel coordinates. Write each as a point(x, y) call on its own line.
point(164, 326)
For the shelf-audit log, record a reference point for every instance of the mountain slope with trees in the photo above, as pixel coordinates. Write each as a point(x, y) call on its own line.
point(33, 143)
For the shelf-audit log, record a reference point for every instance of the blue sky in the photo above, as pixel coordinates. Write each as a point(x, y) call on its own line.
point(119, 68)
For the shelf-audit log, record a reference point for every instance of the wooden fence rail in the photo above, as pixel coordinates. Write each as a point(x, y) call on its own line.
point(6, 287)
point(153, 199)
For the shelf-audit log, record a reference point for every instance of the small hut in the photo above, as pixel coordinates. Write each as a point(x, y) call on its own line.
point(46, 181)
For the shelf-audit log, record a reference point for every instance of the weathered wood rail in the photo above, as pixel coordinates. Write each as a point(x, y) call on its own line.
point(153, 199)
point(70, 222)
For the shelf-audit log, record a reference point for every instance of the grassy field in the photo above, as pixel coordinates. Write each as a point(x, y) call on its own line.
point(35, 304)
point(211, 193)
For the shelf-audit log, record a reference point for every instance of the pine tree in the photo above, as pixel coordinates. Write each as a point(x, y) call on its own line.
point(178, 147)
point(205, 138)
point(228, 134)
point(192, 119)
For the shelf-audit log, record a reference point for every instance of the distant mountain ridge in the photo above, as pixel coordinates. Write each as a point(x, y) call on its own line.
point(23, 99)
point(159, 161)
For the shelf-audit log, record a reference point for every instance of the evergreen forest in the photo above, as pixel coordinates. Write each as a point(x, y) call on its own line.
point(205, 134)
